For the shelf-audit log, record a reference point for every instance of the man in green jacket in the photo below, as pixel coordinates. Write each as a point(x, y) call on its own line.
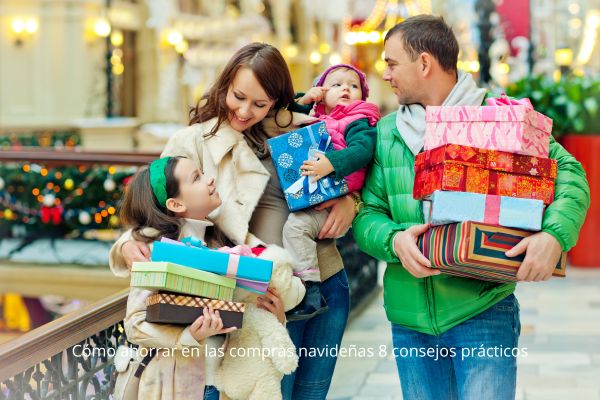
point(453, 337)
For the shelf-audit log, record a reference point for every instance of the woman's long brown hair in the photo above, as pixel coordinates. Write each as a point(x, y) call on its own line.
point(269, 68)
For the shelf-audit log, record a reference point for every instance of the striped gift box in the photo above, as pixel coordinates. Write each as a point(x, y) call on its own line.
point(476, 250)
point(172, 308)
point(177, 278)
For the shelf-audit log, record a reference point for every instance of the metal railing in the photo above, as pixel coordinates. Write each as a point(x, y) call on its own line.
point(68, 358)
point(68, 157)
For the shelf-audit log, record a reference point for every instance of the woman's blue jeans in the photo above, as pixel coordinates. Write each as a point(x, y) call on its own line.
point(472, 361)
point(314, 338)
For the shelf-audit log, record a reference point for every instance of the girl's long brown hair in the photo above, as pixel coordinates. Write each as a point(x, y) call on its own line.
point(140, 209)
point(269, 68)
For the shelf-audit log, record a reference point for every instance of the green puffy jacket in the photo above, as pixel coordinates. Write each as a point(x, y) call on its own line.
point(435, 304)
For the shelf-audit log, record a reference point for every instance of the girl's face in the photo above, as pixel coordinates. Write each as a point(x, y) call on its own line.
point(197, 193)
point(343, 88)
point(247, 101)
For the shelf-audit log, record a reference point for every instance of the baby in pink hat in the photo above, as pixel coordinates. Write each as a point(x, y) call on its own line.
point(339, 96)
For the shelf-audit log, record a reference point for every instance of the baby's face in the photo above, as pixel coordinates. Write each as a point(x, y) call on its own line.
point(343, 88)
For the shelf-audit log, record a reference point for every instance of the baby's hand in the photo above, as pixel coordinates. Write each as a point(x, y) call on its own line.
point(314, 95)
point(208, 324)
point(317, 169)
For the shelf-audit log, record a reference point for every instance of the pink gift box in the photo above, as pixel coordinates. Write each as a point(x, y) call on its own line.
point(508, 125)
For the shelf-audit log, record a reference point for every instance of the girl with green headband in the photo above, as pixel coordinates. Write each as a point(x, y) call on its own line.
point(172, 198)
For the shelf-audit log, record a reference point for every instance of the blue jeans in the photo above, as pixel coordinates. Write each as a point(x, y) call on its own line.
point(468, 362)
point(211, 393)
point(321, 333)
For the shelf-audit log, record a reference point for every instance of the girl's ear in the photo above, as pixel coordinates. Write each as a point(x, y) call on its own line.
point(175, 205)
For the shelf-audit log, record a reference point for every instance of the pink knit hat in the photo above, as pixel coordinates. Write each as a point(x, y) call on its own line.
point(363, 79)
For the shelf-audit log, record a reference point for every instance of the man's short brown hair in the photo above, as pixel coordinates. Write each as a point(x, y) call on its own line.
point(429, 34)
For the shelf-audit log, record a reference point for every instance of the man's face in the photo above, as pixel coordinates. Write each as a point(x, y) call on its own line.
point(401, 72)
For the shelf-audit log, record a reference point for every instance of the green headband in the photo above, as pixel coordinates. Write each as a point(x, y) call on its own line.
point(158, 180)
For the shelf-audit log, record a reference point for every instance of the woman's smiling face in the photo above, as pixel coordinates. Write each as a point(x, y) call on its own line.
point(247, 101)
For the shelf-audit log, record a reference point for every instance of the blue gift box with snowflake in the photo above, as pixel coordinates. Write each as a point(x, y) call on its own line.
point(289, 151)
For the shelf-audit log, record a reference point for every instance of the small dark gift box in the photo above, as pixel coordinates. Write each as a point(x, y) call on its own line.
point(171, 308)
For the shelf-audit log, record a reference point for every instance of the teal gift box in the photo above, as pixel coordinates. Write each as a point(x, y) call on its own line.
point(202, 258)
point(289, 151)
point(511, 212)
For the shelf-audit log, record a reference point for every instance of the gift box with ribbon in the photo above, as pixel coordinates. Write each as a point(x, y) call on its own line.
point(172, 308)
point(289, 151)
point(510, 212)
point(503, 124)
point(251, 273)
point(178, 278)
point(470, 169)
point(476, 250)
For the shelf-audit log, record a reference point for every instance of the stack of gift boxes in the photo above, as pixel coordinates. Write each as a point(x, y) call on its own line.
point(486, 178)
point(189, 277)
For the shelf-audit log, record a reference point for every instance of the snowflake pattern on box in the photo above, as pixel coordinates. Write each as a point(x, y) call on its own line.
point(295, 140)
point(288, 152)
point(285, 160)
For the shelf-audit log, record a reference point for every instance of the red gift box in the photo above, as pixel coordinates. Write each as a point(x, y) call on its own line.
point(469, 169)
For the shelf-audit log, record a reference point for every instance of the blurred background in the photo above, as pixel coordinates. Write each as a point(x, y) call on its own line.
point(91, 89)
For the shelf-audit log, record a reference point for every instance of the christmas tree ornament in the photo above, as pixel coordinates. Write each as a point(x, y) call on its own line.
point(69, 184)
point(109, 185)
point(48, 200)
point(85, 218)
point(114, 220)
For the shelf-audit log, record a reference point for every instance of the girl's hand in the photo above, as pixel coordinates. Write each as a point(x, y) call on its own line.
point(132, 250)
point(208, 324)
point(314, 95)
point(317, 169)
point(340, 217)
point(272, 303)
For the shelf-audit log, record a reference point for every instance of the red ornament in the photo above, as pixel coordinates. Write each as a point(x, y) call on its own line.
point(51, 214)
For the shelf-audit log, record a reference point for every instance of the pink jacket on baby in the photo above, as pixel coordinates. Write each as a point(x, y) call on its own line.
point(336, 123)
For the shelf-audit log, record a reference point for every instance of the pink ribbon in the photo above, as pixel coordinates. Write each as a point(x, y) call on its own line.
point(492, 210)
point(240, 250)
point(234, 257)
point(504, 100)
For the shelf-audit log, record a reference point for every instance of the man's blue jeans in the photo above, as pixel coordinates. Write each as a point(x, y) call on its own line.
point(475, 360)
point(314, 338)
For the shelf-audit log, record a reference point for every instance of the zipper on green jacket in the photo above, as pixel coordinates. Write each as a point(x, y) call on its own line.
point(429, 289)
point(431, 304)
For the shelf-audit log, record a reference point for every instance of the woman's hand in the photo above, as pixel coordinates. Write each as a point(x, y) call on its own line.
point(340, 217)
point(132, 251)
point(272, 303)
point(208, 324)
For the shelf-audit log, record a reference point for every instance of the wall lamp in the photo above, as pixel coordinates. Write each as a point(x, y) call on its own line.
point(23, 29)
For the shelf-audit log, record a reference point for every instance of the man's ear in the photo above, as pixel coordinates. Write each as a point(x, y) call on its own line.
point(425, 63)
point(175, 205)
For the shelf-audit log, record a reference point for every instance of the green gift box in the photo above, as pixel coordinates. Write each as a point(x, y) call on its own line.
point(180, 279)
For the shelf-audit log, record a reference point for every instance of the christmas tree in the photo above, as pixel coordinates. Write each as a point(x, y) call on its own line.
point(38, 201)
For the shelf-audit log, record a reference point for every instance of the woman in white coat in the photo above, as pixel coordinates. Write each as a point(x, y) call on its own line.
point(250, 102)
